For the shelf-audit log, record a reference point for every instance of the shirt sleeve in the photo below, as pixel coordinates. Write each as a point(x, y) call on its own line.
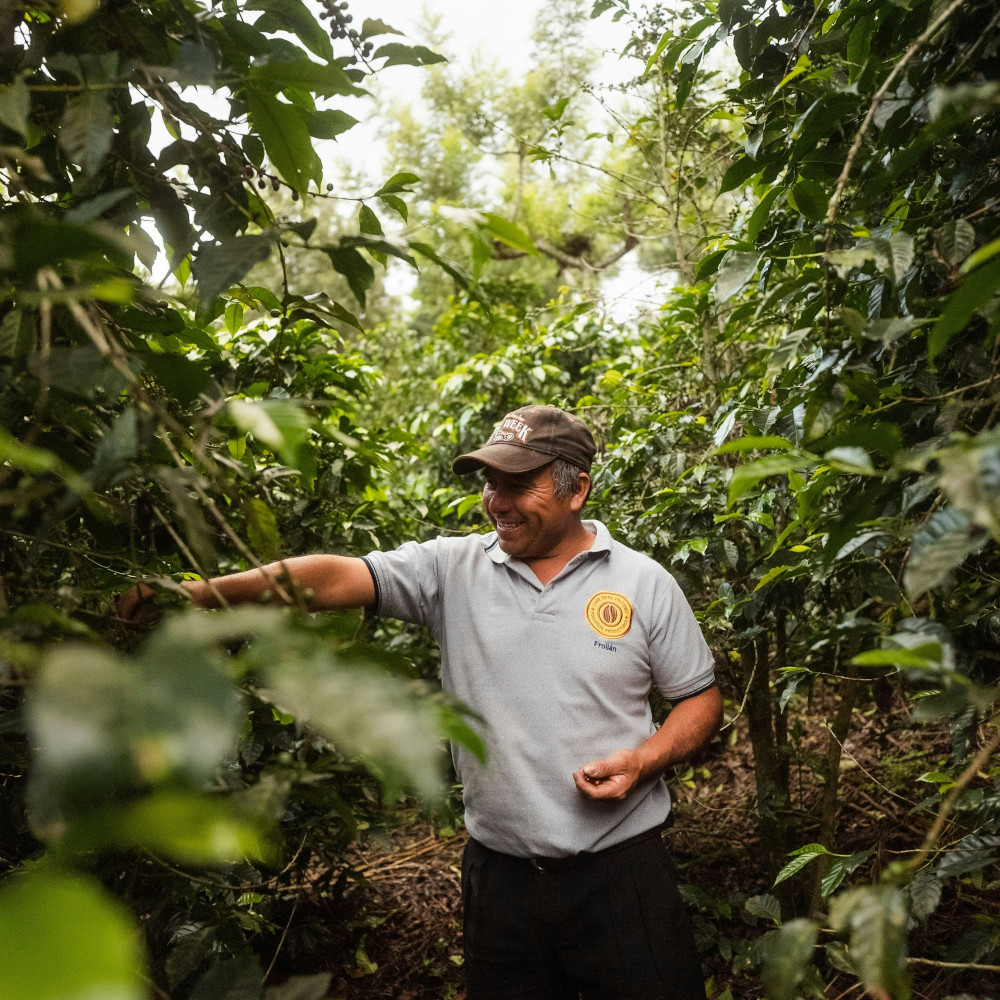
point(407, 582)
point(681, 661)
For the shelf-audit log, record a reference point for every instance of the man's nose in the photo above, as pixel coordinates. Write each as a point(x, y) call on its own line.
point(498, 499)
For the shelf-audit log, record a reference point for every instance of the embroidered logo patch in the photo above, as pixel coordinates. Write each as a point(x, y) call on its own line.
point(609, 614)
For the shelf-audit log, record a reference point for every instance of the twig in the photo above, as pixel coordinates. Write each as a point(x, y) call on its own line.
point(932, 29)
point(284, 934)
point(948, 806)
point(743, 704)
point(954, 965)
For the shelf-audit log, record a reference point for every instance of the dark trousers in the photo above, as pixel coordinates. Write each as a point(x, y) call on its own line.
point(604, 926)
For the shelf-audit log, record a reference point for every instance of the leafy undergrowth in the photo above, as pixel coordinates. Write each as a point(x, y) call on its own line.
point(402, 939)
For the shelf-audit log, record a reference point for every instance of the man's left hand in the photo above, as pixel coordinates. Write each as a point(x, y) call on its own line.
point(612, 778)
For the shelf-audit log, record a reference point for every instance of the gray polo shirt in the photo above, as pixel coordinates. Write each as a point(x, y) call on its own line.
point(560, 675)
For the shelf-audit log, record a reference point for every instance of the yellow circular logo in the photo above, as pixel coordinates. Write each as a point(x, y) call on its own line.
point(609, 614)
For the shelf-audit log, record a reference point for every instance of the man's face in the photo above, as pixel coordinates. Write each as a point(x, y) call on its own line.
point(530, 520)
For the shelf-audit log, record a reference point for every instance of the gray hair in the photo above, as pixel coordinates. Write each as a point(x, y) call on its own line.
point(566, 477)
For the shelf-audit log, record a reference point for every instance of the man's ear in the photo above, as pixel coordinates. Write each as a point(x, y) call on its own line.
point(579, 498)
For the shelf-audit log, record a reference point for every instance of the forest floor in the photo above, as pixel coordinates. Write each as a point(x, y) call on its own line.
point(404, 900)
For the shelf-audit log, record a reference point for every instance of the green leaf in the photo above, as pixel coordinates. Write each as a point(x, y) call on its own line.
point(368, 222)
point(859, 43)
point(956, 240)
point(285, 133)
point(786, 953)
point(15, 106)
point(739, 172)
point(218, 266)
point(736, 269)
point(86, 130)
point(971, 854)
point(746, 477)
point(396, 204)
point(892, 658)
point(709, 264)
point(262, 529)
point(940, 545)
point(810, 198)
point(277, 423)
point(463, 279)
point(303, 74)
point(745, 444)
point(398, 183)
point(62, 937)
point(371, 27)
point(876, 920)
point(357, 704)
point(786, 349)
point(981, 256)
point(358, 272)
point(925, 894)
point(761, 214)
point(801, 857)
point(507, 232)
point(397, 54)
point(970, 478)
point(186, 827)
point(850, 458)
point(234, 317)
point(975, 292)
point(664, 41)
point(765, 906)
point(328, 124)
point(294, 17)
point(105, 724)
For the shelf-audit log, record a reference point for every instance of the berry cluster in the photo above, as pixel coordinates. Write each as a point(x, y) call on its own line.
point(336, 11)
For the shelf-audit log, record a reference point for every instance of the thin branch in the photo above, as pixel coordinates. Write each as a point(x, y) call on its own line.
point(926, 36)
point(954, 965)
point(948, 806)
point(284, 934)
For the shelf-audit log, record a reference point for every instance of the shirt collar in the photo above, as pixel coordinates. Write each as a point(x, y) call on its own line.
point(602, 543)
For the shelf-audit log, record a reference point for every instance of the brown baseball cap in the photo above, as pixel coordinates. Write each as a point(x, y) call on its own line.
point(529, 438)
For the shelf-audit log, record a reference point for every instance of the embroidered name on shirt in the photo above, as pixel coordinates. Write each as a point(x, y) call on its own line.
point(609, 614)
point(606, 645)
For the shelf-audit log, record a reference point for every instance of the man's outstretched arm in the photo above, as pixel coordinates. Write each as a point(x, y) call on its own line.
point(690, 724)
point(329, 582)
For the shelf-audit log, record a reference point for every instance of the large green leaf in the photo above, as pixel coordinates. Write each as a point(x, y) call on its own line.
point(279, 424)
point(105, 725)
point(976, 291)
point(191, 828)
point(218, 266)
point(506, 232)
point(15, 105)
point(62, 937)
point(398, 54)
point(875, 918)
point(303, 74)
point(284, 130)
point(746, 477)
point(293, 16)
point(940, 545)
point(736, 269)
point(787, 952)
point(86, 130)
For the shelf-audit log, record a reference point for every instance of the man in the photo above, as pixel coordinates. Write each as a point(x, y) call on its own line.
point(553, 633)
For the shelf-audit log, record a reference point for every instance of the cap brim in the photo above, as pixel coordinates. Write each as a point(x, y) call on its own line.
point(505, 457)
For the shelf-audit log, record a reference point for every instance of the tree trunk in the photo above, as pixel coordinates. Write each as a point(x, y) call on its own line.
point(772, 796)
point(839, 729)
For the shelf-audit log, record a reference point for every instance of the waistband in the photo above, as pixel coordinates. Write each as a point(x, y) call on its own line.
point(544, 864)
